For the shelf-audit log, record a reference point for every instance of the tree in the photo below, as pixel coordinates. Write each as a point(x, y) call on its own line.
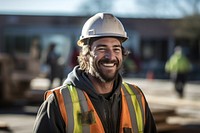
point(188, 7)
point(188, 27)
point(156, 8)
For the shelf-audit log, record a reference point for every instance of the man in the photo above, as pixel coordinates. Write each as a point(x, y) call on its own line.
point(53, 59)
point(94, 97)
point(178, 66)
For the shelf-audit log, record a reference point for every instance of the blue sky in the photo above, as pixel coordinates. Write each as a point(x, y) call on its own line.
point(71, 7)
point(38, 6)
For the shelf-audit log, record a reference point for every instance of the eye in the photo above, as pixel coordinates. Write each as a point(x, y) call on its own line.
point(101, 49)
point(117, 50)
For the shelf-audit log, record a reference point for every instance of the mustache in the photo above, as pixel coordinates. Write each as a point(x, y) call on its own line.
point(105, 60)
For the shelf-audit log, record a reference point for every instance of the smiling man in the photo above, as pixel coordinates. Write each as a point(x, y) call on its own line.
point(94, 98)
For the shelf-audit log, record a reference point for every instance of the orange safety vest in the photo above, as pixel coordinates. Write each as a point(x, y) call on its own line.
point(80, 115)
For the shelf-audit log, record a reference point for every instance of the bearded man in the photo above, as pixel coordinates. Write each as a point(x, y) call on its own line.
point(94, 98)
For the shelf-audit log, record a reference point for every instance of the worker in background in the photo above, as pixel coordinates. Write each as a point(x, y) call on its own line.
point(55, 63)
point(94, 98)
point(178, 66)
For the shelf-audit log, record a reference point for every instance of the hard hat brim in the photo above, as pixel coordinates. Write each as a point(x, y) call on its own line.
point(82, 42)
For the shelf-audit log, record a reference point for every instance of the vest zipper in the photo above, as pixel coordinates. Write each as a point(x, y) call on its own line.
point(109, 116)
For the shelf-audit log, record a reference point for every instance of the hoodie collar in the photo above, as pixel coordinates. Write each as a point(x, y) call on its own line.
point(80, 80)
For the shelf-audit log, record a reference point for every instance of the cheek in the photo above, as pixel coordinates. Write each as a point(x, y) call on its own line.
point(120, 57)
point(97, 57)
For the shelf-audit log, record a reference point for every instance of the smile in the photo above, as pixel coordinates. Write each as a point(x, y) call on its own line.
point(108, 64)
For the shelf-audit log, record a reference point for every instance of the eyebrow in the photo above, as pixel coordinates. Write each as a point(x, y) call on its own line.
point(103, 45)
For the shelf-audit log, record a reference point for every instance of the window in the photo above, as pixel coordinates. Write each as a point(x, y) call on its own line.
point(17, 44)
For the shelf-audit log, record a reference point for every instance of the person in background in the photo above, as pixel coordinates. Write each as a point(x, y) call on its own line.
point(53, 60)
point(178, 66)
point(94, 97)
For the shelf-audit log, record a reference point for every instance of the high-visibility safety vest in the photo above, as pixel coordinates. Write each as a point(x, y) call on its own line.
point(80, 115)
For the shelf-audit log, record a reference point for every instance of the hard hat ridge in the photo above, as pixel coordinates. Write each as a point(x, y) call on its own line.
point(102, 25)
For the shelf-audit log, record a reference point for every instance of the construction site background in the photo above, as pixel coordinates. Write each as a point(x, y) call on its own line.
point(172, 114)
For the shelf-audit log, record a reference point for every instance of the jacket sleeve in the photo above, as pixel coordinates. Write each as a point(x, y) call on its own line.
point(150, 125)
point(49, 119)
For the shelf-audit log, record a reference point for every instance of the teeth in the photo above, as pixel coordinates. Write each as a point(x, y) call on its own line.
point(109, 65)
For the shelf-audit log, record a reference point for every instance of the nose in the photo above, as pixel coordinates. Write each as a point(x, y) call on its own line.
point(109, 55)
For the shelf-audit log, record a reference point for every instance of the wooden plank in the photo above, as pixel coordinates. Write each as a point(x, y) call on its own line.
point(164, 127)
point(4, 126)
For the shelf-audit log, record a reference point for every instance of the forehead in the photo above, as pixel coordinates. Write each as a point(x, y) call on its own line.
point(107, 41)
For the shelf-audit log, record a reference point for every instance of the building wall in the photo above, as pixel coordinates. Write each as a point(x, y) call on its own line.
point(151, 40)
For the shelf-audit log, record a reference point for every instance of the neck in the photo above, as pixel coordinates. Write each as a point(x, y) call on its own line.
point(101, 87)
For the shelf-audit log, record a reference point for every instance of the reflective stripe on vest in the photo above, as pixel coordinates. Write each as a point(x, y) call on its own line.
point(80, 115)
point(135, 106)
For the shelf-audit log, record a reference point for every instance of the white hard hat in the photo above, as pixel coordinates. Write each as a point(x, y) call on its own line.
point(102, 25)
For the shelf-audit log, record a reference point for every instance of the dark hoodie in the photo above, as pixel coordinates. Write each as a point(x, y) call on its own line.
point(107, 106)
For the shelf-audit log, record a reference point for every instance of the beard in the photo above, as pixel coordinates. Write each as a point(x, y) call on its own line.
point(104, 75)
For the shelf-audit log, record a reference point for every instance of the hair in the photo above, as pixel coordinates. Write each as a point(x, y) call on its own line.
point(85, 54)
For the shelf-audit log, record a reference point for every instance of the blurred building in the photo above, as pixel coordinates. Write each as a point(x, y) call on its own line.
point(151, 40)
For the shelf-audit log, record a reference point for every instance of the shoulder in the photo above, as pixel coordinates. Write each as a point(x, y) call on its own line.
point(132, 88)
point(54, 92)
